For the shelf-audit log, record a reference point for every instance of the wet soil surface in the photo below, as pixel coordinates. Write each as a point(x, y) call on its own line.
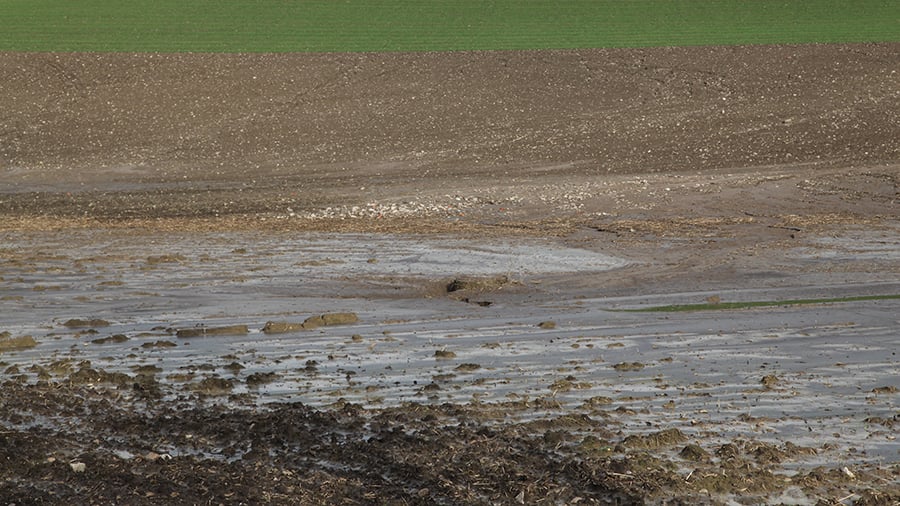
point(405, 278)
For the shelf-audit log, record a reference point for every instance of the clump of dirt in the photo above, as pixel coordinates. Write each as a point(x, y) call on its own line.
point(8, 343)
point(159, 344)
point(477, 284)
point(88, 375)
point(257, 379)
point(234, 368)
point(76, 323)
point(212, 386)
point(770, 381)
point(230, 330)
point(569, 383)
point(329, 319)
point(147, 369)
point(659, 439)
point(628, 366)
point(272, 327)
point(597, 401)
point(313, 322)
point(694, 453)
point(115, 338)
point(165, 259)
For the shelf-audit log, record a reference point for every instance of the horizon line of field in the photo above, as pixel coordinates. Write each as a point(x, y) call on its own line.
point(365, 25)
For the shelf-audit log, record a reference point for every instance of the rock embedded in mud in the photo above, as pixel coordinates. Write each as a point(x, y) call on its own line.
point(231, 330)
point(76, 323)
point(16, 343)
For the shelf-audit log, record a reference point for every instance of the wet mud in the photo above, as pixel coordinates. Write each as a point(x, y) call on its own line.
point(409, 278)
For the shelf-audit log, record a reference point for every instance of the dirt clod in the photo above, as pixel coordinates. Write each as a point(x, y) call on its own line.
point(230, 330)
point(694, 453)
point(628, 366)
point(16, 343)
point(76, 323)
point(770, 381)
point(659, 439)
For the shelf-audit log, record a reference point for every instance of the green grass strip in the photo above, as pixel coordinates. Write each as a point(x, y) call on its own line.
point(744, 305)
point(439, 25)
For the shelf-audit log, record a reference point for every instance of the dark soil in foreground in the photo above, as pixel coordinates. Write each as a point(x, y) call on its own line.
point(122, 447)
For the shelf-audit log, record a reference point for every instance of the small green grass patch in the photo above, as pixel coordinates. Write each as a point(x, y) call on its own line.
point(753, 304)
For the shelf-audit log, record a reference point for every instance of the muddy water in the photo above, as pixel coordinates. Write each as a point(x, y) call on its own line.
point(824, 376)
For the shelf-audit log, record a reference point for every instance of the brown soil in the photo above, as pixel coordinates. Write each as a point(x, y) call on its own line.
point(725, 156)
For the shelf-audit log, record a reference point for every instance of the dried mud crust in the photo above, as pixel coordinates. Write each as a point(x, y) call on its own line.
point(103, 445)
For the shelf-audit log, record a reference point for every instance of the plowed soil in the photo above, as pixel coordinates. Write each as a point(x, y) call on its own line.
point(701, 166)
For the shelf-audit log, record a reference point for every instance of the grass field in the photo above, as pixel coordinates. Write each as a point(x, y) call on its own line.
point(440, 25)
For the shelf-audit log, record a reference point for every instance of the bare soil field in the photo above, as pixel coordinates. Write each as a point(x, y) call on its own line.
point(404, 278)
